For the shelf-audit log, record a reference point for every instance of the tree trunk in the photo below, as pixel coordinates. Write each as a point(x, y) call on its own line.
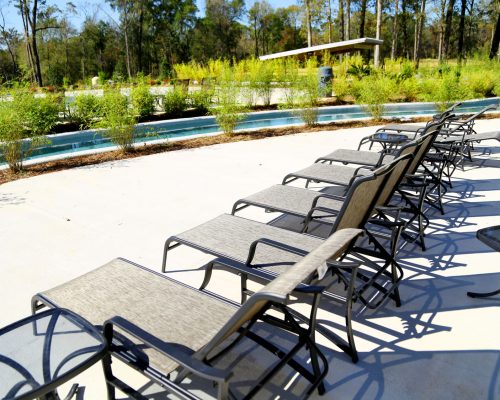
point(362, 16)
point(447, 29)
point(308, 22)
point(348, 20)
point(496, 40)
point(420, 28)
point(34, 47)
point(330, 23)
point(394, 43)
point(461, 32)
point(139, 39)
point(404, 25)
point(127, 50)
point(342, 20)
point(376, 55)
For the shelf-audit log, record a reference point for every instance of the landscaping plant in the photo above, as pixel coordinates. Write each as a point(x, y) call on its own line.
point(175, 101)
point(308, 93)
point(118, 120)
point(86, 109)
point(13, 144)
point(39, 113)
point(228, 111)
point(143, 101)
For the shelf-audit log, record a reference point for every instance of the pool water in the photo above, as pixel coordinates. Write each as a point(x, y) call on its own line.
point(72, 143)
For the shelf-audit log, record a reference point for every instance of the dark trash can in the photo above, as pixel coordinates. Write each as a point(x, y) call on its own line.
point(325, 77)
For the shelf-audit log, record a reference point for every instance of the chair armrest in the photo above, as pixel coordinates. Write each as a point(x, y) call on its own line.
point(326, 196)
point(272, 243)
point(178, 353)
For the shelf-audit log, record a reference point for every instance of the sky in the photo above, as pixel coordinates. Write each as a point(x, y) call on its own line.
point(101, 10)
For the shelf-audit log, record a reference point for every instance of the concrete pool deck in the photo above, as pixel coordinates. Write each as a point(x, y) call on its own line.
point(439, 344)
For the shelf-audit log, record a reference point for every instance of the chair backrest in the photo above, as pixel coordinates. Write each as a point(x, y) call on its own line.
point(279, 289)
point(361, 198)
point(448, 112)
point(427, 139)
point(402, 164)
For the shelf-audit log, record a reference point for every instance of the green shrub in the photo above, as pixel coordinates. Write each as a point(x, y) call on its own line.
point(143, 102)
point(39, 114)
point(342, 87)
point(86, 109)
point(201, 100)
point(448, 89)
point(480, 83)
point(357, 67)
point(373, 91)
point(228, 111)
point(118, 120)
point(260, 77)
point(175, 101)
point(408, 89)
point(289, 79)
point(307, 99)
point(12, 134)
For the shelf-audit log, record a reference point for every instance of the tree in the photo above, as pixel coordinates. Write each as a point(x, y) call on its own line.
point(447, 29)
point(172, 24)
point(218, 33)
point(376, 56)
point(496, 39)
point(461, 30)
point(124, 7)
point(419, 26)
point(9, 38)
point(29, 10)
point(394, 41)
point(259, 18)
point(362, 16)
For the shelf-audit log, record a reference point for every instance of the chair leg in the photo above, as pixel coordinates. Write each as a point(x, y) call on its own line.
point(208, 275)
point(244, 288)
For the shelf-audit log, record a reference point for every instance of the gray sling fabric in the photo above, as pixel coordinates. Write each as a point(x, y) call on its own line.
point(291, 199)
point(336, 175)
point(174, 312)
point(160, 306)
point(401, 128)
point(354, 157)
point(230, 236)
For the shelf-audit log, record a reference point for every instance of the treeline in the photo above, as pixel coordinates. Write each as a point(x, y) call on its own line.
point(151, 36)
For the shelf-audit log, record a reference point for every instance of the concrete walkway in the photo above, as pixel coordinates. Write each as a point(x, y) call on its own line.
point(439, 345)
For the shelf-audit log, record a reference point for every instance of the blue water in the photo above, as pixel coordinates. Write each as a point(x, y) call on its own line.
point(75, 142)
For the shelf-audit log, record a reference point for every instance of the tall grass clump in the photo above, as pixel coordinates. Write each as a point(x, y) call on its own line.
point(15, 143)
point(201, 99)
point(373, 91)
point(307, 98)
point(175, 101)
point(39, 114)
point(287, 72)
point(260, 77)
point(118, 120)
point(143, 101)
point(228, 111)
point(86, 109)
point(445, 89)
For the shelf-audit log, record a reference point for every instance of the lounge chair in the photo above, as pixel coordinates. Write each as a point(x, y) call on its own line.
point(371, 158)
point(323, 207)
point(343, 175)
point(261, 252)
point(168, 330)
point(456, 141)
point(411, 131)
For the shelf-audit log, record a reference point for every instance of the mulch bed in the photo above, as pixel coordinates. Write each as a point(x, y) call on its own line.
point(92, 159)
